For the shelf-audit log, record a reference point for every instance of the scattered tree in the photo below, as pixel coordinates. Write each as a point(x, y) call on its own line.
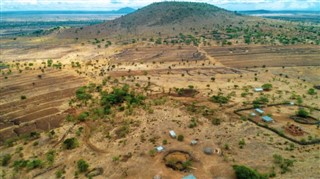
point(70, 143)
point(82, 166)
point(302, 113)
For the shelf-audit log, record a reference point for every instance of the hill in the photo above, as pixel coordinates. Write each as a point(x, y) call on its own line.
point(165, 17)
point(170, 20)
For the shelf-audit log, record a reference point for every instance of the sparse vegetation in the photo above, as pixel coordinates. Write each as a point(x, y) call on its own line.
point(242, 143)
point(283, 163)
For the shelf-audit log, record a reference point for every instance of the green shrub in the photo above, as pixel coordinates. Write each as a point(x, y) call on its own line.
point(49, 62)
point(51, 156)
point(23, 97)
point(226, 146)
point(187, 164)
point(152, 152)
point(159, 41)
point(83, 116)
point(243, 172)
point(19, 164)
point(115, 158)
point(260, 100)
point(302, 113)
point(35, 163)
point(5, 160)
point(70, 143)
point(242, 143)
point(82, 166)
point(120, 95)
point(180, 138)
point(59, 173)
point(219, 99)
point(164, 142)
point(193, 123)
point(82, 94)
point(312, 91)
point(216, 121)
point(267, 87)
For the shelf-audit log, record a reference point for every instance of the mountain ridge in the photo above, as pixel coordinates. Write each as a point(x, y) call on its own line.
point(171, 22)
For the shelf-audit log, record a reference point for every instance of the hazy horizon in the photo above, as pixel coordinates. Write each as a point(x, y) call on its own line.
point(110, 5)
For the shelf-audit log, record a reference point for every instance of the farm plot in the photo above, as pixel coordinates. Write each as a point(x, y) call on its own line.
point(158, 54)
point(32, 101)
point(258, 56)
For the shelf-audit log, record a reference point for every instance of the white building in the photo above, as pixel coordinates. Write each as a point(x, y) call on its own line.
point(258, 89)
point(172, 134)
point(160, 149)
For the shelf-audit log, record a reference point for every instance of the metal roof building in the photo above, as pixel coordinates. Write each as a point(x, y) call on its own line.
point(267, 119)
point(259, 111)
point(172, 134)
point(160, 149)
point(258, 89)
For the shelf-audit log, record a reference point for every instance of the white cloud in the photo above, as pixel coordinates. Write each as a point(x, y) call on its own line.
point(116, 4)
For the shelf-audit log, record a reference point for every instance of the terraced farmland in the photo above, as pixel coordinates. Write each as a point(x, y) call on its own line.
point(158, 54)
point(258, 56)
point(32, 101)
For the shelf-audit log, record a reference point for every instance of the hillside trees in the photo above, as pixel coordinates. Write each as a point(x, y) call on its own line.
point(243, 172)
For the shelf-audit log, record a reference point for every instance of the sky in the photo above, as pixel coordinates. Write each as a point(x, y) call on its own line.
point(106, 5)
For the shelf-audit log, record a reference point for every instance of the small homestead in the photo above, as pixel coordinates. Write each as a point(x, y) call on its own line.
point(287, 122)
point(178, 160)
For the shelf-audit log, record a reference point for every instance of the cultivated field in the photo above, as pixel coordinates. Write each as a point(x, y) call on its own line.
point(34, 100)
point(270, 56)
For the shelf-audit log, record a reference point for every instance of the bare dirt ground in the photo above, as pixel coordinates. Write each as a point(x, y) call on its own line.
point(157, 71)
